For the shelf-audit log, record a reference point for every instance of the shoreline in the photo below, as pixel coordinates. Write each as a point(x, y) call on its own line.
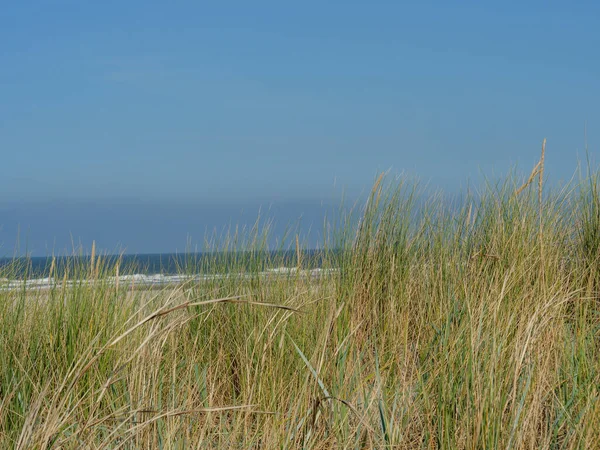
point(145, 281)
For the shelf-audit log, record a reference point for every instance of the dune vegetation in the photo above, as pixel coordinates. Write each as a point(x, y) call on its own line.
point(467, 324)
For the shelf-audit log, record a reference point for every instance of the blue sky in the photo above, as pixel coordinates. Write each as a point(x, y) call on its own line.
point(113, 109)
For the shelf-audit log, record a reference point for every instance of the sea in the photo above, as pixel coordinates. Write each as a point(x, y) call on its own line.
point(163, 268)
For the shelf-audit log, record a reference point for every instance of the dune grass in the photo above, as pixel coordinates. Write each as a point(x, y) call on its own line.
point(470, 325)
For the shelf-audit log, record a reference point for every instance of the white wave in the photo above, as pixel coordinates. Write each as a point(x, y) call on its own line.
point(143, 280)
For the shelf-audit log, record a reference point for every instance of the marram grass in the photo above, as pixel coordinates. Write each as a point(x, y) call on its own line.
point(473, 325)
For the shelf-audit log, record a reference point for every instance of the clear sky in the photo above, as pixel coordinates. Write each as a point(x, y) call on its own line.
point(117, 114)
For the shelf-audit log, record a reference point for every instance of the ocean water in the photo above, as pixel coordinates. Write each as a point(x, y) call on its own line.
point(164, 264)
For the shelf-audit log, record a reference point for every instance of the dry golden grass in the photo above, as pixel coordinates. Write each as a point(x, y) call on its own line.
point(475, 327)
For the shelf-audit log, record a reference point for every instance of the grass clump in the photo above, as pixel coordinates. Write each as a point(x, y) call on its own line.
point(472, 325)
